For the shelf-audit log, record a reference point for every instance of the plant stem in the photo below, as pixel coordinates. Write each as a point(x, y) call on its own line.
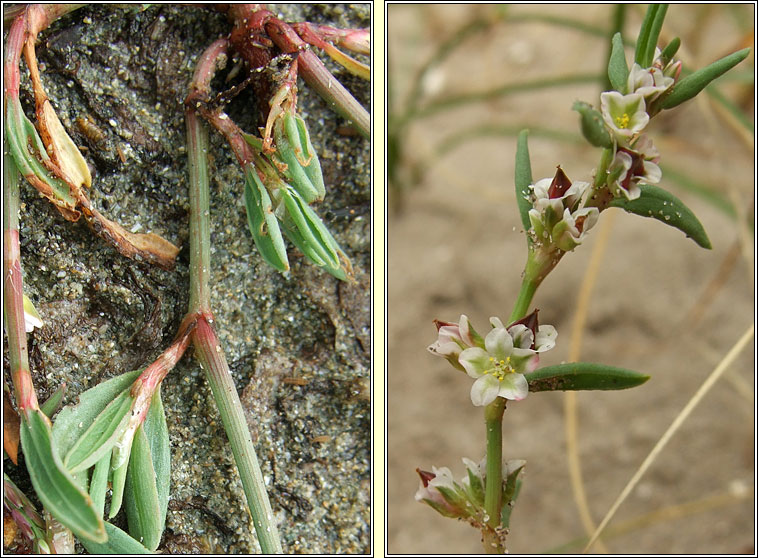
point(534, 272)
point(601, 195)
point(208, 348)
point(13, 291)
point(208, 352)
point(528, 288)
point(493, 417)
point(200, 251)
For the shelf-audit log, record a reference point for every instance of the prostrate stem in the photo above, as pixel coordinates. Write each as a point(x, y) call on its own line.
point(13, 291)
point(208, 347)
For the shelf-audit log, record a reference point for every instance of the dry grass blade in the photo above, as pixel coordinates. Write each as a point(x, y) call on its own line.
point(678, 421)
point(570, 401)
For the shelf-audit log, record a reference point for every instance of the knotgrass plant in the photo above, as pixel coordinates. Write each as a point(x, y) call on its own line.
point(557, 214)
point(117, 435)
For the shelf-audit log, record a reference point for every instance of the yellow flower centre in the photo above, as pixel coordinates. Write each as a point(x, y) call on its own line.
point(623, 120)
point(500, 368)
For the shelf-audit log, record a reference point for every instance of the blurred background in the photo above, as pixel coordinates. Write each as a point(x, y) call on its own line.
point(463, 80)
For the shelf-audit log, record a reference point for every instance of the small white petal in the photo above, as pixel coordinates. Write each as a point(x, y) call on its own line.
point(495, 321)
point(546, 336)
point(499, 343)
point(484, 391)
point(475, 361)
point(522, 336)
point(514, 386)
point(444, 349)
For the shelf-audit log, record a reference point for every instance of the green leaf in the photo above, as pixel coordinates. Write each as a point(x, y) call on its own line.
point(689, 86)
point(148, 478)
point(54, 486)
point(618, 71)
point(295, 149)
point(310, 235)
point(576, 376)
point(523, 179)
point(119, 467)
point(102, 434)
point(53, 403)
point(23, 137)
point(313, 169)
point(670, 50)
point(262, 222)
point(73, 420)
point(649, 32)
point(511, 489)
point(475, 487)
point(593, 125)
point(295, 172)
point(99, 483)
point(118, 543)
point(664, 206)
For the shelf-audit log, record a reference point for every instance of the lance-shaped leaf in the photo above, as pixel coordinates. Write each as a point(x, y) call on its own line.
point(511, 489)
point(667, 208)
point(101, 435)
point(119, 468)
point(618, 71)
point(53, 403)
point(297, 132)
point(148, 478)
point(98, 485)
point(670, 50)
point(576, 376)
point(74, 420)
point(55, 487)
point(523, 179)
point(649, 32)
point(118, 543)
point(310, 235)
point(286, 150)
point(593, 125)
point(475, 487)
point(32, 160)
point(262, 222)
point(689, 86)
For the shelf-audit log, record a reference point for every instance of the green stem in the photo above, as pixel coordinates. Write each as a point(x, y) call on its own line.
point(526, 294)
point(200, 250)
point(535, 270)
point(208, 352)
point(601, 195)
point(13, 290)
point(208, 347)
point(493, 417)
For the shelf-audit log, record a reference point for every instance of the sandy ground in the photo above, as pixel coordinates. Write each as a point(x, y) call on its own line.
point(661, 304)
point(298, 344)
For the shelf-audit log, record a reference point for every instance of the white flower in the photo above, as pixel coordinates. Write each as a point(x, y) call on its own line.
point(648, 82)
point(624, 114)
point(630, 167)
point(554, 215)
point(452, 338)
point(570, 231)
point(440, 491)
point(508, 353)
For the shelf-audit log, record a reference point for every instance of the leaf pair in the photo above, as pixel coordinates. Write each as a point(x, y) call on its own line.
point(294, 148)
point(299, 223)
point(90, 437)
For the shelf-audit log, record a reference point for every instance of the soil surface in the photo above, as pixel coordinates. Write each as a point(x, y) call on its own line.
point(661, 305)
point(298, 344)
